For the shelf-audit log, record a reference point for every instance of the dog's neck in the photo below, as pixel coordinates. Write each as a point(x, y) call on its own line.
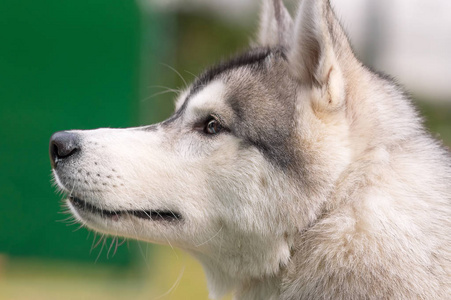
point(264, 288)
point(220, 282)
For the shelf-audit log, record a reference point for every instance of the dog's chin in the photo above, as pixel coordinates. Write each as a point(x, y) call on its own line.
point(89, 212)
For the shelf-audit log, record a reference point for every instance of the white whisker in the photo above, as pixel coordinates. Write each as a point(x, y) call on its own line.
point(174, 286)
point(216, 234)
point(177, 72)
point(101, 249)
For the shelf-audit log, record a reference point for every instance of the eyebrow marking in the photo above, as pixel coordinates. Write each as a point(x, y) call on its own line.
point(253, 57)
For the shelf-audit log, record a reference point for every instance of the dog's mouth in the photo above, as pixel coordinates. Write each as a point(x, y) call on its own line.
point(152, 215)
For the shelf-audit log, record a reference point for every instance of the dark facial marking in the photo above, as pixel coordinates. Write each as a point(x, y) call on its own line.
point(263, 105)
point(150, 127)
point(253, 58)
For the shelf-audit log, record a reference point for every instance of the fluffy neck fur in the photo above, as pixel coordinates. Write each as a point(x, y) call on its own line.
point(372, 161)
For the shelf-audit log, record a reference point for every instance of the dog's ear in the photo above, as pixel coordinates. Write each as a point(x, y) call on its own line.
point(276, 25)
point(318, 46)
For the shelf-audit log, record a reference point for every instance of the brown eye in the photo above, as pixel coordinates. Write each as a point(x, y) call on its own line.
point(212, 126)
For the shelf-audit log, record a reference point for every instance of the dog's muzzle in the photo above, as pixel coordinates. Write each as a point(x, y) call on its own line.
point(64, 149)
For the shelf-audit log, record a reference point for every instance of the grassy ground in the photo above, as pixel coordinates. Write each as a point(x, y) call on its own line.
point(170, 275)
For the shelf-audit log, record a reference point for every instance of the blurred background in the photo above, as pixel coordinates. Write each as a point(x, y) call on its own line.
point(80, 64)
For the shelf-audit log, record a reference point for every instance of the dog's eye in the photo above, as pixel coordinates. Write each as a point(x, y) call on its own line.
point(212, 126)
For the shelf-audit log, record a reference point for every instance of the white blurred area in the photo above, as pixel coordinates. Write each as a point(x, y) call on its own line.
point(408, 39)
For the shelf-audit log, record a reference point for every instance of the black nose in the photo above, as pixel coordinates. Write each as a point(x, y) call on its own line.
point(63, 144)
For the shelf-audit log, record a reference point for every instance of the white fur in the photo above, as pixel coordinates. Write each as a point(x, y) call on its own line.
point(366, 215)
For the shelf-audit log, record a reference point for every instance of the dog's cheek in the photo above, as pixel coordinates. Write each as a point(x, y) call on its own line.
point(239, 181)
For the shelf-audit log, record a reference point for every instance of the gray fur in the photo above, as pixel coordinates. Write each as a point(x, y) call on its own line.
point(321, 184)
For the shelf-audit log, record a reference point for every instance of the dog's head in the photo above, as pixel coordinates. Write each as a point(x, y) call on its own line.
point(242, 166)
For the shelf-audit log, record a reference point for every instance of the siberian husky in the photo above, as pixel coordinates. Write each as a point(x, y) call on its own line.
point(291, 171)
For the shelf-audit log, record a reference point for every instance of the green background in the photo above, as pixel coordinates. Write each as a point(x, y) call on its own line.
point(63, 65)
